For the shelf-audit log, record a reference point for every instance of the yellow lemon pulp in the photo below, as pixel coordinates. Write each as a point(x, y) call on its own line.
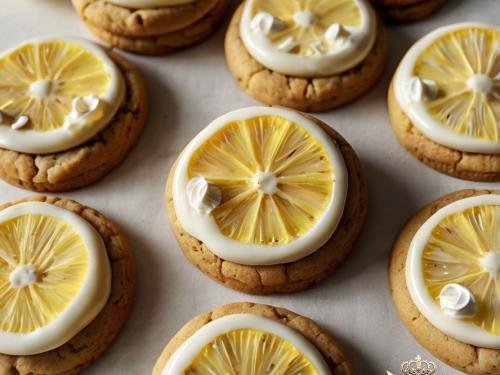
point(324, 12)
point(455, 253)
point(40, 80)
point(59, 257)
point(250, 352)
point(453, 62)
point(276, 179)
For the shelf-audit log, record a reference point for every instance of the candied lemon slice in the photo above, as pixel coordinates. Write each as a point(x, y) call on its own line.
point(56, 93)
point(272, 180)
point(459, 247)
point(246, 344)
point(455, 86)
point(308, 38)
point(48, 286)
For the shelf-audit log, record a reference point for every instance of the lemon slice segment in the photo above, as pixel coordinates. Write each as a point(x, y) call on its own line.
point(458, 248)
point(308, 38)
point(56, 94)
point(246, 344)
point(451, 79)
point(54, 277)
point(278, 186)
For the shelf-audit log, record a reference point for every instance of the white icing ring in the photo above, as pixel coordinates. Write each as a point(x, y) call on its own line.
point(336, 60)
point(183, 356)
point(204, 227)
point(458, 329)
point(147, 4)
point(416, 110)
point(86, 305)
point(37, 142)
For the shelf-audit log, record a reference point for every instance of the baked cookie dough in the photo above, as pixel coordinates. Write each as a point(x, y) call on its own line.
point(309, 91)
point(285, 276)
point(87, 345)
point(428, 116)
point(152, 30)
point(406, 10)
point(90, 160)
point(333, 356)
point(468, 358)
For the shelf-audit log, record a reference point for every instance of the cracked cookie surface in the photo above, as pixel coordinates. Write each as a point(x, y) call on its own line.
point(464, 357)
point(91, 342)
point(88, 162)
point(142, 22)
point(465, 165)
point(167, 42)
point(304, 94)
point(289, 277)
point(321, 339)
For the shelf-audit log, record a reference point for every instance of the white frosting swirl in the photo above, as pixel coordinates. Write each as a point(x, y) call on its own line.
point(457, 301)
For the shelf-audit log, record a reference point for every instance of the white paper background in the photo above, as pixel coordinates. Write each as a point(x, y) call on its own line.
point(188, 90)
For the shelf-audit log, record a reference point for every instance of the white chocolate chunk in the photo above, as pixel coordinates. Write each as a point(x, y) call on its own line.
point(421, 89)
point(265, 23)
point(457, 301)
point(288, 44)
point(317, 48)
point(20, 122)
point(480, 83)
point(304, 18)
point(202, 196)
point(337, 33)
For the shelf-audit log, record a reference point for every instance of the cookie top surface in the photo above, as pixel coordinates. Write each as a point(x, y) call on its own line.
point(448, 84)
point(308, 38)
point(250, 335)
point(261, 186)
point(453, 270)
point(55, 277)
point(55, 94)
point(146, 4)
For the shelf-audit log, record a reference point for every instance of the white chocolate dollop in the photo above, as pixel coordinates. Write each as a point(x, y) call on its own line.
point(265, 23)
point(457, 301)
point(203, 196)
point(23, 276)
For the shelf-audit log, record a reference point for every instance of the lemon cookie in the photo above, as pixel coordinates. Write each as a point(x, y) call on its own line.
point(291, 343)
point(66, 280)
point(444, 101)
point(152, 26)
point(407, 10)
point(69, 113)
point(311, 56)
point(266, 200)
point(444, 276)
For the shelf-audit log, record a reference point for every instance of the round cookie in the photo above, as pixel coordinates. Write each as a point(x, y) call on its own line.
point(90, 161)
point(304, 94)
point(461, 164)
point(321, 339)
point(465, 357)
point(407, 10)
point(442, 109)
point(93, 340)
point(293, 276)
point(152, 31)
